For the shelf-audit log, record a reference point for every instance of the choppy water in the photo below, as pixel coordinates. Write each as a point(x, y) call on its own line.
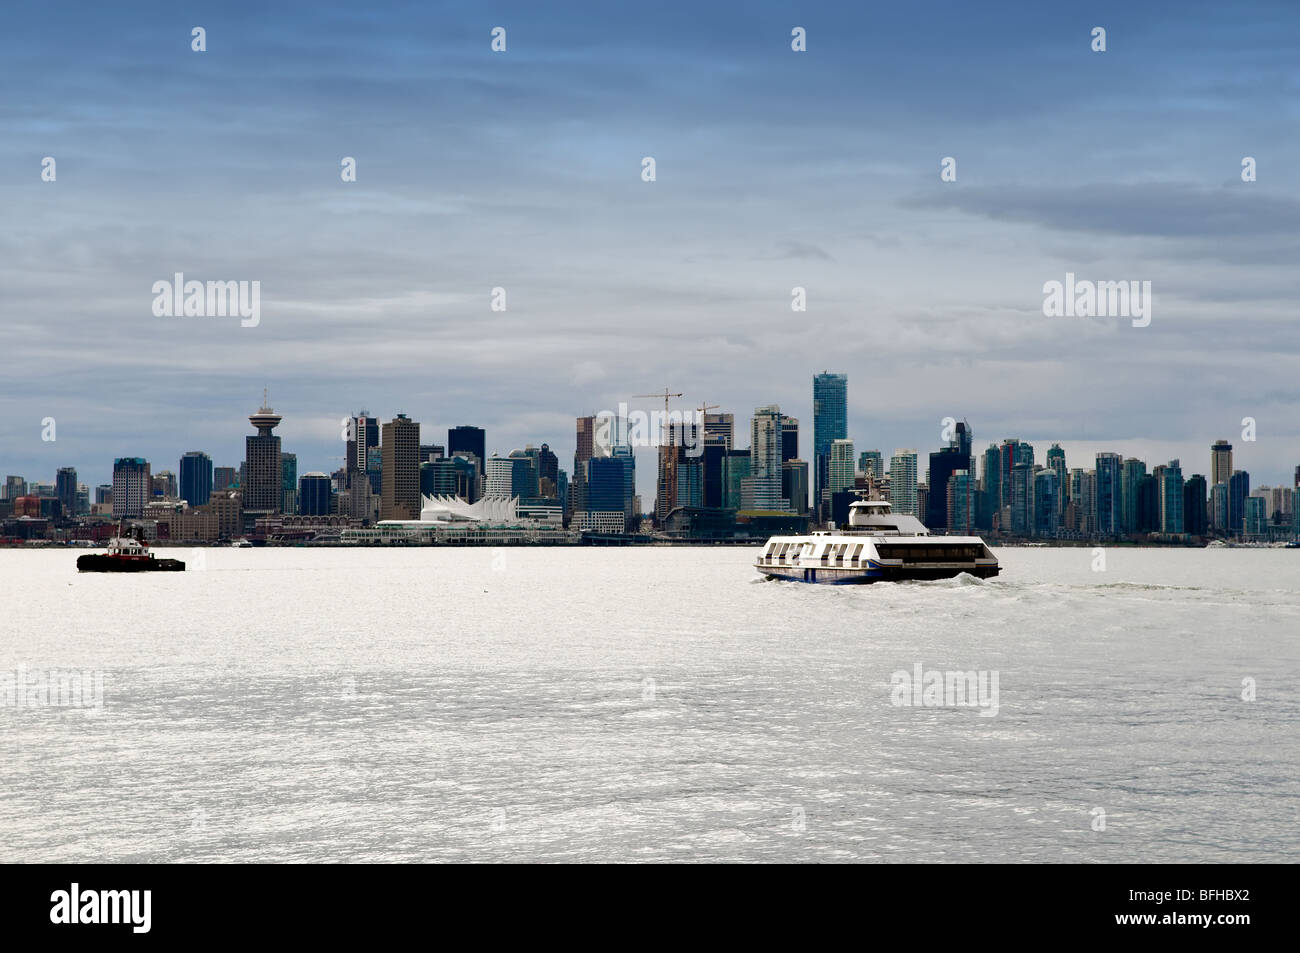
point(651, 704)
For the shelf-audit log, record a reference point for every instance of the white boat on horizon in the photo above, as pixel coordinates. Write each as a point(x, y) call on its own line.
point(878, 545)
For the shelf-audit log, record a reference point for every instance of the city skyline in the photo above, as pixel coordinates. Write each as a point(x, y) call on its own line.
point(646, 456)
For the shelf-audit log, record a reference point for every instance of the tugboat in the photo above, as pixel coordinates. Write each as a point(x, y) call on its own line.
point(127, 555)
point(878, 545)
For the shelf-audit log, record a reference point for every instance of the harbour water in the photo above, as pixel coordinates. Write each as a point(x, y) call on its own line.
point(649, 704)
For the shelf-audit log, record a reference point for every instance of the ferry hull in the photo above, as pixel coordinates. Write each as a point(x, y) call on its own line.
point(830, 576)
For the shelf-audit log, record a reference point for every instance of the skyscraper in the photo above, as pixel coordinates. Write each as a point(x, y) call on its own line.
point(1238, 491)
point(902, 482)
point(196, 478)
point(721, 429)
point(1110, 501)
point(1220, 462)
point(289, 483)
point(65, 488)
point(315, 495)
point(841, 467)
point(1195, 521)
point(1171, 498)
point(399, 444)
point(1131, 475)
point(263, 482)
point(830, 423)
point(761, 490)
point(1047, 502)
point(945, 462)
point(132, 487)
point(789, 439)
point(470, 439)
point(363, 435)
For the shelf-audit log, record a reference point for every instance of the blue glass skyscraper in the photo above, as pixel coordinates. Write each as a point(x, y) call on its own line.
point(830, 423)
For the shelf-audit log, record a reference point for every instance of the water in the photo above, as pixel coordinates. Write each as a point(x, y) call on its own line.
point(651, 704)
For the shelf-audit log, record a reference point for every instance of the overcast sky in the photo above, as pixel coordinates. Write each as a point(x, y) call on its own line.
point(522, 170)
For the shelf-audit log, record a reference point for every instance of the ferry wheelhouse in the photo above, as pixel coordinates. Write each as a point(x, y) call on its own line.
point(878, 545)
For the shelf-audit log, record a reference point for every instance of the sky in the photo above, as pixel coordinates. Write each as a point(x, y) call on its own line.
point(775, 169)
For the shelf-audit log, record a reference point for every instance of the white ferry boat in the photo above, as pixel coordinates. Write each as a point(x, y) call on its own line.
point(878, 545)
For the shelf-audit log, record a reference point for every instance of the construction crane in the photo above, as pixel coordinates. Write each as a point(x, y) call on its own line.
point(665, 395)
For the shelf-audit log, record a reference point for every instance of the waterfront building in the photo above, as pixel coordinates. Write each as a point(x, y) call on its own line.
point(1110, 500)
point(830, 423)
point(196, 478)
point(262, 484)
point(65, 489)
point(902, 482)
point(399, 445)
point(1220, 462)
point(469, 440)
point(1195, 522)
point(315, 495)
point(1171, 499)
point(132, 487)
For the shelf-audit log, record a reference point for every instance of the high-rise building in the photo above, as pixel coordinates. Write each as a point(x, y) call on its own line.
point(363, 436)
point(289, 483)
point(262, 483)
point(956, 456)
point(1218, 516)
point(902, 482)
point(132, 487)
point(794, 485)
point(470, 439)
point(721, 428)
point(1022, 499)
point(871, 463)
point(961, 503)
point(399, 444)
point(789, 439)
point(1148, 511)
point(1220, 462)
point(196, 478)
point(841, 468)
point(15, 486)
point(1171, 498)
point(1238, 491)
point(164, 485)
point(1131, 474)
point(315, 495)
point(830, 423)
point(65, 488)
point(224, 478)
point(1047, 502)
point(761, 490)
point(735, 471)
point(1255, 517)
point(1195, 522)
point(1056, 461)
point(525, 481)
point(1110, 499)
point(990, 506)
point(548, 473)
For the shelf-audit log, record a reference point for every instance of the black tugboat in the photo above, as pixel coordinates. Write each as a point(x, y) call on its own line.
point(127, 555)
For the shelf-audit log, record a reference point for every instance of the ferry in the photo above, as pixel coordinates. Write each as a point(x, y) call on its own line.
point(127, 555)
point(878, 545)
